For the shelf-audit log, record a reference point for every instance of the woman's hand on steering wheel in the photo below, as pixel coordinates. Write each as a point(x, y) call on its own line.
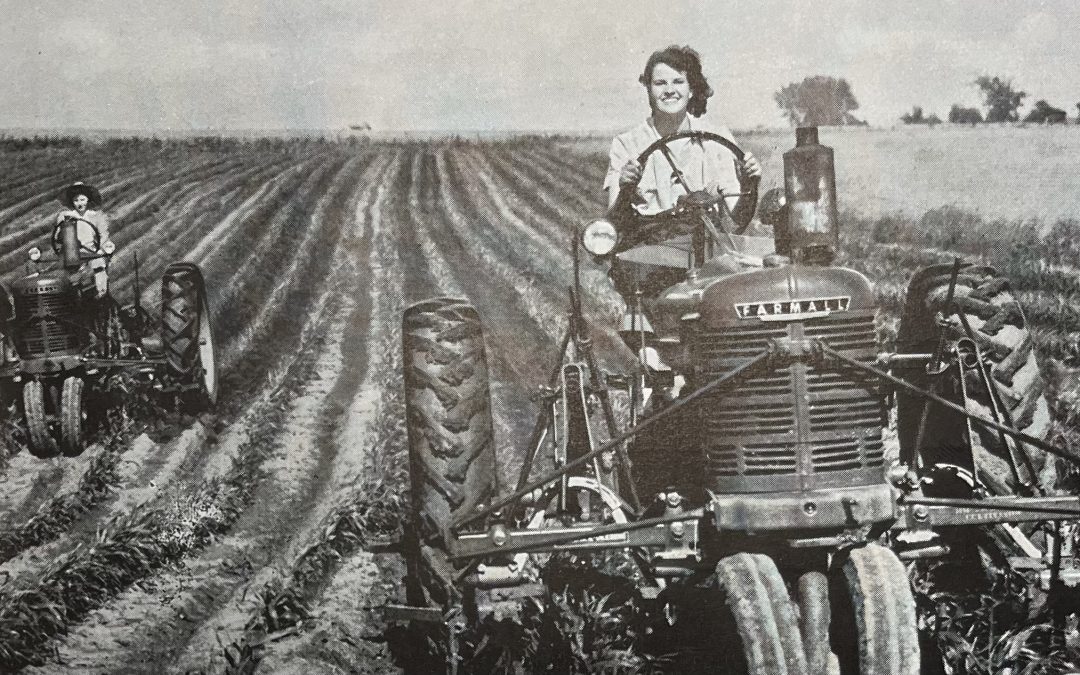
point(630, 175)
point(748, 165)
point(750, 168)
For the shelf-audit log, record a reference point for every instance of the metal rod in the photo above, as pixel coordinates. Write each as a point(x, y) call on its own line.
point(888, 360)
point(935, 365)
point(543, 417)
point(609, 416)
point(989, 505)
point(708, 388)
point(1001, 413)
point(138, 289)
point(675, 168)
point(599, 531)
point(995, 411)
point(1042, 445)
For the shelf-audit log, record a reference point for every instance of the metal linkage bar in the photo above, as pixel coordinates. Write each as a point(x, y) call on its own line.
point(945, 403)
point(1061, 506)
point(605, 403)
point(709, 388)
point(543, 418)
point(1001, 412)
point(934, 368)
point(531, 540)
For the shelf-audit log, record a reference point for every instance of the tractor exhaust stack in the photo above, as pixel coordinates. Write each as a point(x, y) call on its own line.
point(812, 231)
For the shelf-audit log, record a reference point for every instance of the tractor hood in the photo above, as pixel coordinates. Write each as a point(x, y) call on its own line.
point(788, 293)
point(52, 281)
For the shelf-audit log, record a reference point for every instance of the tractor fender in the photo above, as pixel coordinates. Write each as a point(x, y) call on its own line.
point(189, 267)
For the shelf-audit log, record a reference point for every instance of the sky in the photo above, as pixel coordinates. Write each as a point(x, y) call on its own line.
point(470, 65)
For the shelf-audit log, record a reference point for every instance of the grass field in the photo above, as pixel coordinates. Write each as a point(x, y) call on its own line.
point(250, 540)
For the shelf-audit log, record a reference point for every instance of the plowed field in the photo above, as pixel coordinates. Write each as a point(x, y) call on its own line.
point(260, 537)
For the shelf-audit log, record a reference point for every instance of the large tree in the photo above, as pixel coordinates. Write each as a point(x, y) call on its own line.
point(818, 101)
point(1002, 101)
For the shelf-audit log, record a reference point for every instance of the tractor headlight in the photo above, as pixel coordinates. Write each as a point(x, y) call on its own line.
point(34, 253)
point(599, 237)
point(108, 248)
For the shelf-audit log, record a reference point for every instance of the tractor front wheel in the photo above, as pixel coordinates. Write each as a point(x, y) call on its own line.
point(873, 626)
point(764, 616)
point(37, 423)
point(187, 334)
point(71, 417)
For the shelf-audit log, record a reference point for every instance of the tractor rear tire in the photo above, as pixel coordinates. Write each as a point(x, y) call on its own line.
point(41, 441)
point(187, 334)
point(1002, 334)
point(71, 417)
point(873, 607)
point(452, 465)
point(764, 615)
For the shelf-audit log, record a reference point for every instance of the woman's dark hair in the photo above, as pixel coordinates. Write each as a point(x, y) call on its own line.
point(686, 60)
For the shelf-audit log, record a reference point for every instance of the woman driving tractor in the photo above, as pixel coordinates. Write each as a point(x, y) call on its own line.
point(670, 162)
point(678, 92)
point(91, 230)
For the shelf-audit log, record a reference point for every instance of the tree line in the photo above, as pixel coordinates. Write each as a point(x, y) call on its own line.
point(829, 101)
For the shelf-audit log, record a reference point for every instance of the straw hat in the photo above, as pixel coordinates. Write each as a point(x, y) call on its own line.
point(67, 197)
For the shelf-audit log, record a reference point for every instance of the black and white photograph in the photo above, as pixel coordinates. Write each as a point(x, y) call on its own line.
point(619, 338)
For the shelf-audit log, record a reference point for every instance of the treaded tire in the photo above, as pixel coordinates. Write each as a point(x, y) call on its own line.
point(71, 417)
point(448, 411)
point(1001, 332)
point(874, 609)
point(41, 441)
point(814, 621)
point(764, 614)
point(187, 333)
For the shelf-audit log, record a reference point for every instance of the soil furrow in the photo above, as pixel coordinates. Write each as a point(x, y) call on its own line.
point(346, 422)
point(256, 448)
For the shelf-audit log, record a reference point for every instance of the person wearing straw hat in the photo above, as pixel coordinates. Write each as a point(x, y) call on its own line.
point(83, 204)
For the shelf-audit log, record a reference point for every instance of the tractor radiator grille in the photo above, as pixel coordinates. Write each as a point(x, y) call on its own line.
point(46, 323)
point(799, 420)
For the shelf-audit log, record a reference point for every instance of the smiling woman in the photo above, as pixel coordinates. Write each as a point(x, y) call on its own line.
point(678, 94)
point(677, 91)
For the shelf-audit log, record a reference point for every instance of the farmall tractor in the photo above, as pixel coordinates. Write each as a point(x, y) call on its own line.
point(782, 522)
point(69, 356)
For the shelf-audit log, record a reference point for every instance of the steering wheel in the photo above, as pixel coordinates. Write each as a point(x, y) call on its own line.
point(82, 247)
point(693, 198)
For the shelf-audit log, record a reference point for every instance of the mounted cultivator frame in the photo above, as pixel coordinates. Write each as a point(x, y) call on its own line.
point(482, 563)
point(789, 513)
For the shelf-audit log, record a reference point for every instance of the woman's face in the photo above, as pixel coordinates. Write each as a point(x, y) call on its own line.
point(80, 202)
point(669, 90)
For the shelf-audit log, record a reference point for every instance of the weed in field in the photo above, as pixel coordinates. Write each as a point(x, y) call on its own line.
point(999, 628)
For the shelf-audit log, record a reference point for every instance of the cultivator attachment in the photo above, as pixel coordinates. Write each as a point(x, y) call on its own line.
point(576, 508)
point(784, 479)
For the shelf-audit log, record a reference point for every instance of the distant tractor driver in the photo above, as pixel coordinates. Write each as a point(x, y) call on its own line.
point(91, 230)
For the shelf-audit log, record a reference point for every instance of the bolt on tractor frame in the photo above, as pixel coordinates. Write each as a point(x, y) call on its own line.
point(787, 505)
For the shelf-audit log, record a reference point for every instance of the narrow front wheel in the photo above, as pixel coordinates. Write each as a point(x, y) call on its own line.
point(37, 423)
point(71, 417)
